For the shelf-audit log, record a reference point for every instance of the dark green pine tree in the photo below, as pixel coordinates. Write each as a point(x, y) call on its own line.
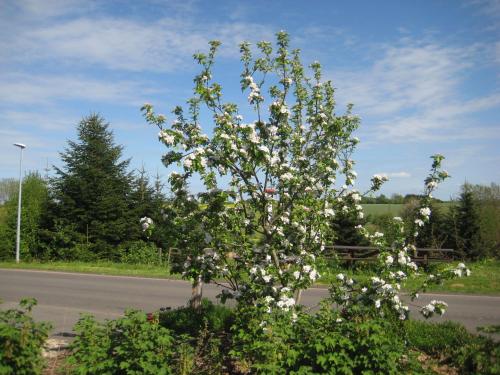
point(343, 227)
point(92, 190)
point(465, 218)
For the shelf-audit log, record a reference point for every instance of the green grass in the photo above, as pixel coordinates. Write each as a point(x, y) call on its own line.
point(485, 278)
point(101, 268)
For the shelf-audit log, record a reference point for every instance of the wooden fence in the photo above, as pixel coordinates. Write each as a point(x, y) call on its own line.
point(353, 254)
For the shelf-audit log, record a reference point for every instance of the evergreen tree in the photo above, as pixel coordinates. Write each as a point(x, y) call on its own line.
point(466, 220)
point(344, 232)
point(92, 190)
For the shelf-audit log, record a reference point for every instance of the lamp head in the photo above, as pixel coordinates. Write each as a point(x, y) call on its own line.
point(20, 145)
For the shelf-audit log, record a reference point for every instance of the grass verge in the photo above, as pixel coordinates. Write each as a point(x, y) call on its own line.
point(485, 278)
point(101, 268)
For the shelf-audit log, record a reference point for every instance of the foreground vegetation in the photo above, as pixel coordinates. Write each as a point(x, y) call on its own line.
point(217, 340)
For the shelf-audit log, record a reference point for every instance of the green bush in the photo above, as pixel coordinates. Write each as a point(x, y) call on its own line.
point(480, 356)
point(316, 343)
point(130, 345)
point(451, 342)
point(189, 321)
point(21, 340)
point(436, 338)
point(140, 252)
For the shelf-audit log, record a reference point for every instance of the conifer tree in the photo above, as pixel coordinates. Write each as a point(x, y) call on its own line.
point(466, 222)
point(92, 190)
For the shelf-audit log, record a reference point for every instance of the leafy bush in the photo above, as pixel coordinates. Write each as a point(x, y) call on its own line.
point(437, 338)
point(319, 343)
point(141, 252)
point(480, 356)
point(189, 321)
point(130, 345)
point(21, 340)
point(451, 342)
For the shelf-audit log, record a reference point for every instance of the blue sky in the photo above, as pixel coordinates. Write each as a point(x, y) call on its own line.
point(424, 76)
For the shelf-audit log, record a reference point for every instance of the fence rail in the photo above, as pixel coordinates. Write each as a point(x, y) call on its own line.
point(353, 254)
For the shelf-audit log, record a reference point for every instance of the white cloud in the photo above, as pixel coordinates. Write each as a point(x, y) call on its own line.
point(48, 120)
point(46, 89)
point(413, 92)
point(125, 44)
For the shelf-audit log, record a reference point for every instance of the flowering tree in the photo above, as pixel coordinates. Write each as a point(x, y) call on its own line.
point(289, 168)
point(395, 265)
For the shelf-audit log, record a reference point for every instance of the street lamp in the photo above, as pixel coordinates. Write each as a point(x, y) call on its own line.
point(18, 238)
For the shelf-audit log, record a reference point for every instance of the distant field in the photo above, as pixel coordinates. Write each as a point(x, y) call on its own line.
point(393, 209)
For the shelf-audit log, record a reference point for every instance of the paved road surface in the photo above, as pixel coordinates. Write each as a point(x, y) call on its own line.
point(63, 296)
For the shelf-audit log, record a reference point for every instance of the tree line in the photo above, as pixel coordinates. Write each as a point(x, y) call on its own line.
point(470, 224)
point(90, 210)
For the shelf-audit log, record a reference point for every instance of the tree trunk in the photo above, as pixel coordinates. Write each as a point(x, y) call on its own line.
point(298, 295)
point(196, 293)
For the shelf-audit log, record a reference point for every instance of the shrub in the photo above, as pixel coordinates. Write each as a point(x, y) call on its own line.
point(141, 252)
point(133, 344)
point(480, 356)
point(437, 338)
point(21, 340)
point(191, 321)
point(316, 343)
point(451, 342)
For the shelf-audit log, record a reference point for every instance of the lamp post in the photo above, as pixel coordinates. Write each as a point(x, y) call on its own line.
point(18, 237)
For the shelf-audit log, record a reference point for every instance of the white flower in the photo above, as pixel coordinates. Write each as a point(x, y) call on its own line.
point(419, 222)
point(268, 299)
point(166, 138)
point(146, 222)
point(267, 278)
point(389, 260)
point(286, 176)
point(296, 274)
point(425, 211)
point(313, 275)
point(377, 303)
point(253, 137)
point(264, 149)
point(432, 184)
point(329, 212)
point(340, 277)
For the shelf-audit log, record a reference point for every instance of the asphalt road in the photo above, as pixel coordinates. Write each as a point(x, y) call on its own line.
point(63, 296)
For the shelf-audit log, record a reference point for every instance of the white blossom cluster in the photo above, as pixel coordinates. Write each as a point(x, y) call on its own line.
point(146, 223)
point(434, 307)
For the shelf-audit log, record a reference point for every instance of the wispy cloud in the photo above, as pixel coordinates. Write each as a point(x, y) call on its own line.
point(46, 89)
point(413, 92)
point(126, 44)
